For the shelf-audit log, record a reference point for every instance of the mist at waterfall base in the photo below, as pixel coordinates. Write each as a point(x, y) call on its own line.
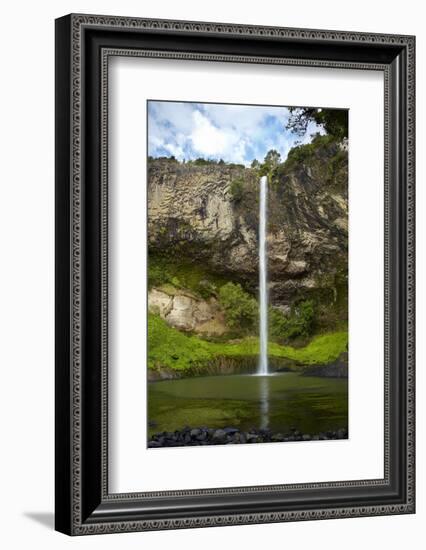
point(276, 402)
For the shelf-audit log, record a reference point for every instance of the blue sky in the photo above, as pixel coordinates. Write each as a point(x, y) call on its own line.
point(234, 133)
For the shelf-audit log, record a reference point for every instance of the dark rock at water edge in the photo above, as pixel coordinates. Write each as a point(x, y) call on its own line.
point(337, 369)
point(188, 437)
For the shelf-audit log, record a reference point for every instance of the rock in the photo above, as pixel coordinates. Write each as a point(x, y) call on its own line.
point(240, 437)
point(219, 436)
point(230, 431)
point(342, 434)
point(159, 302)
point(202, 312)
point(230, 435)
point(185, 311)
point(181, 315)
point(337, 369)
point(192, 212)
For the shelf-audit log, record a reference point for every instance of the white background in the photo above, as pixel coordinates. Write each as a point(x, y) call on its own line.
point(133, 467)
point(26, 300)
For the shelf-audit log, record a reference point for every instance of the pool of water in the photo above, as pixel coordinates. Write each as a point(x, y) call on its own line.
point(277, 402)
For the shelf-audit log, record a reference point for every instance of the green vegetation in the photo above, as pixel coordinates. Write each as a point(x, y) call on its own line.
point(270, 164)
point(304, 153)
point(334, 121)
point(237, 189)
point(241, 309)
point(171, 159)
point(184, 275)
point(329, 168)
point(169, 348)
point(299, 324)
point(202, 162)
point(213, 162)
point(322, 349)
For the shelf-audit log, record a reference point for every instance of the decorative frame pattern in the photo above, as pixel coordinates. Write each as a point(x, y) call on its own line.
point(86, 507)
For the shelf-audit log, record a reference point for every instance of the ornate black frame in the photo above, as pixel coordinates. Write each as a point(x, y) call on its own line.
point(83, 46)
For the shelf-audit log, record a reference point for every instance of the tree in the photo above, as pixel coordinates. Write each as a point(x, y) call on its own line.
point(237, 189)
point(272, 159)
point(241, 309)
point(333, 121)
point(270, 164)
point(255, 163)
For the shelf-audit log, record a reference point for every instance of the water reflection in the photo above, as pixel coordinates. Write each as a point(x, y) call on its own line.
point(264, 402)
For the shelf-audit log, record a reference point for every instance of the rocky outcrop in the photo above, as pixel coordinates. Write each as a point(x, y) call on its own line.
point(337, 369)
point(195, 212)
point(185, 311)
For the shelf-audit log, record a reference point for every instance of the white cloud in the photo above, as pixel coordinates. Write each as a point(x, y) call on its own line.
point(235, 133)
point(206, 138)
point(174, 150)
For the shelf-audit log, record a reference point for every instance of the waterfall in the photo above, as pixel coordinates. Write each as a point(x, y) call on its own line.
point(263, 278)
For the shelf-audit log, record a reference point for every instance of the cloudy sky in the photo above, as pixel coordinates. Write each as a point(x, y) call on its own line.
point(234, 133)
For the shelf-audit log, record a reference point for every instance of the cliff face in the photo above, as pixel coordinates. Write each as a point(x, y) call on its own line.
point(210, 214)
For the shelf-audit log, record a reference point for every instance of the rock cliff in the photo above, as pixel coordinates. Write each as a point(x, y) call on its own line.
point(209, 214)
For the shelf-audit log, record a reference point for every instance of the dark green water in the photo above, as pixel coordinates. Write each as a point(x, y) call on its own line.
point(278, 402)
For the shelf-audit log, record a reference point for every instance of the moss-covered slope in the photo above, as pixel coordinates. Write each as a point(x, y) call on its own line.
point(172, 350)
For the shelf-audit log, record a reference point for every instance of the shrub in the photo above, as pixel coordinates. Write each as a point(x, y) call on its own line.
point(278, 324)
point(241, 309)
point(302, 153)
point(304, 318)
point(299, 323)
point(157, 274)
point(203, 162)
point(237, 189)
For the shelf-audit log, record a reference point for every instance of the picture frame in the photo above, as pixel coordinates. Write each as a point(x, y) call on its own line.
point(84, 44)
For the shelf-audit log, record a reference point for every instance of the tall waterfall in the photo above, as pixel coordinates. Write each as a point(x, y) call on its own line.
point(263, 277)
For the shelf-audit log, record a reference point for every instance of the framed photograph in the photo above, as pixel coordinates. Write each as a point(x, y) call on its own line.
point(234, 274)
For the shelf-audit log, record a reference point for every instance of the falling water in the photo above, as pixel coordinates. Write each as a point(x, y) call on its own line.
point(263, 277)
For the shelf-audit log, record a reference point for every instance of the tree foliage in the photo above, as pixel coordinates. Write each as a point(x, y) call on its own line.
point(237, 189)
point(299, 323)
point(241, 309)
point(270, 164)
point(334, 121)
point(272, 158)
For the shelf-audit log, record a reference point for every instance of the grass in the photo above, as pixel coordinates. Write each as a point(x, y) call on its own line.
point(183, 274)
point(169, 348)
point(321, 350)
